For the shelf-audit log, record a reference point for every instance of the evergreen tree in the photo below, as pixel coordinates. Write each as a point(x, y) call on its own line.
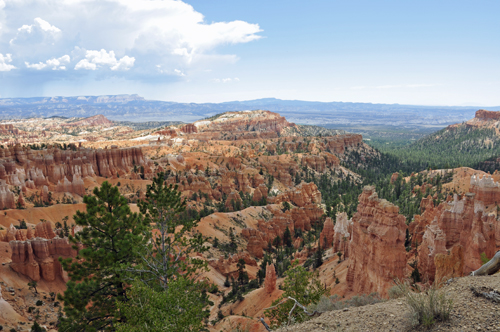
point(287, 237)
point(167, 257)
point(109, 238)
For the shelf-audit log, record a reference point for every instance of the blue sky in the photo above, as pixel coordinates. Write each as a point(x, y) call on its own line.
point(412, 52)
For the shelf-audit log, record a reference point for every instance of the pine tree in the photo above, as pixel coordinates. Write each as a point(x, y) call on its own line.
point(169, 255)
point(110, 236)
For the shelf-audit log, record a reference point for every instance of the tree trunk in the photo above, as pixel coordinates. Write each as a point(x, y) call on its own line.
point(489, 268)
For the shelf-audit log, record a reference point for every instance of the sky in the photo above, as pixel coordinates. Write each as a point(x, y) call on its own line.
point(407, 52)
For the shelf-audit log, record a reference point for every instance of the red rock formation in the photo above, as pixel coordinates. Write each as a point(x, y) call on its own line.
point(342, 234)
point(233, 201)
point(20, 200)
point(326, 236)
point(486, 189)
point(434, 243)
point(377, 252)
point(96, 120)
point(487, 115)
point(189, 129)
point(7, 199)
point(254, 121)
point(228, 267)
point(26, 168)
point(322, 162)
point(449, 265)
point(37, 257)
point(458, 222)
point(302, 195)
point(270, 281)
point(8, 129)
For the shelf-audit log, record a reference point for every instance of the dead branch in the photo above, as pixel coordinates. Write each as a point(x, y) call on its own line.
point(492, 267)
point(487, 293)
point(310, 314)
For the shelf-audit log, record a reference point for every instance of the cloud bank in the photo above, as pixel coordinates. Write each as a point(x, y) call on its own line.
point(133, 39)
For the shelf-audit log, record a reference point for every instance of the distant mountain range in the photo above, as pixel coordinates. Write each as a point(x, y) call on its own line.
point(137, 109)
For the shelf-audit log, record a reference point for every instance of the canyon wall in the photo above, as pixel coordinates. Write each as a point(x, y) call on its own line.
point(376, 249)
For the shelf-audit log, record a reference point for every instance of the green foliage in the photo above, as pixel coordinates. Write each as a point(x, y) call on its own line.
point(109, 240)
point(179, 309)
point(484, 258)
point(301, 285)
point(32, 286)
point(37, 328)
point(39, 303)
point(167, 257)
point(449, 148)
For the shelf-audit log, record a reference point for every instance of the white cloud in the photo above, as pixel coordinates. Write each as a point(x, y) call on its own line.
point(170, 33)
point(225, 80)
point(37, 32)
point(54, 64)
point(5, 62)
point(96, 59)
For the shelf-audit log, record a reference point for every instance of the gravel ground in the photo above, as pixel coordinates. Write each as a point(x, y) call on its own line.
point(470, 313)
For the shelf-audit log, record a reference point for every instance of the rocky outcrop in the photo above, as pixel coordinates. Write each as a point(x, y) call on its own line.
point(342, 234)
point(65, 169)
point(449, 265)
point(434, 243)
point(189, 129)
point(326, 236)
point(302, 195)
point(267, 230)
point(228, 267)
point(37, 256)
point(322, 162)
point(246, 121)
point(460, 221)
point(487, 115)
point(377, 252)
point(7, 199)
point(486, 189)
point(270, 281)
point(93, 121)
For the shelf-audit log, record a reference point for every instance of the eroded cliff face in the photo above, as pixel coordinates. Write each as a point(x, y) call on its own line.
point(62, 170)
point(36, 255)
point(305, 210)
point(460, 222)
point(376, 248)
point(254, 121)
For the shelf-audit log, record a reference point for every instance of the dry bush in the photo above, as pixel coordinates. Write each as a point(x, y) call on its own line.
point(427, 307)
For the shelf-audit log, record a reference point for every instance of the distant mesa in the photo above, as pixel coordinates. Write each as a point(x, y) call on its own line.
point(487, 115)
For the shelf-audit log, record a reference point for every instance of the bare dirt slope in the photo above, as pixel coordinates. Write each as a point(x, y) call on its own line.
point(470, 313)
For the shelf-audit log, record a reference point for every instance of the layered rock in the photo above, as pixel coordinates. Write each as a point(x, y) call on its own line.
point(455, 222)
point(37, 257)
point(342, 234)
point(270, 280)
point(327, 234)
point(449, 265)
point(65, 169)
point(377, 252)
point(486, 189)
point(228, 267)
point(487, 115)
point(254, 121)
point(7, 199)
point(266, 231)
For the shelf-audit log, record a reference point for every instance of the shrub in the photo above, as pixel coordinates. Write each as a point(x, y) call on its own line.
point(39, 303)
point(427, 307)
